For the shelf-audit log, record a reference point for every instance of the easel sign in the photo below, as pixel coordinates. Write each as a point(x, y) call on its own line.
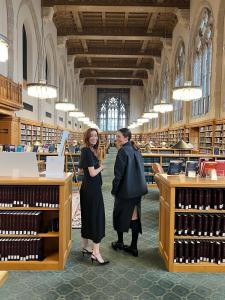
point(55, 166)
point(61, 146)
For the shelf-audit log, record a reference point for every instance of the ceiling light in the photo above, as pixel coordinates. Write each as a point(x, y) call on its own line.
point(41, 90)
point(76, 114)
point(187, 92)
point(150, 115)
point(163, 107)
point(65, 105)
point(83, 119)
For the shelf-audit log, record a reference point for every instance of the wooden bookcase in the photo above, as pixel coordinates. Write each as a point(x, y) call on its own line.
point(3, 277)
point(57, 245)
point(168, 187)
point(164, 159)
point(206, 134)
point(30, 132)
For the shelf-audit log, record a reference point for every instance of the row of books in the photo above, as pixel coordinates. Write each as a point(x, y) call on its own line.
point(20, 222)
point(203, 199)
point(24, 249)
point(200, 224)
point(195, 251)
point(29, 196)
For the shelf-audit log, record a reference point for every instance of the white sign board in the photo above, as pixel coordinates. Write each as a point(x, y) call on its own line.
point(18, 164)
point(55, 166)
point(65, 137)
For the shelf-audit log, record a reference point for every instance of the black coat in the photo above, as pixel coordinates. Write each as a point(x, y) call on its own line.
point(129, 181)
point(128, 186)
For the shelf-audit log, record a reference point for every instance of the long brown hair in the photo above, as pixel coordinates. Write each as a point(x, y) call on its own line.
point(87, 136)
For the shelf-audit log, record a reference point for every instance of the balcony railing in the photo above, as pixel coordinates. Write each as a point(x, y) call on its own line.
point(10, 94)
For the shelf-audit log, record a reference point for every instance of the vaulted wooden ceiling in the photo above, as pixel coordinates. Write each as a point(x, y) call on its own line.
point(115, 42)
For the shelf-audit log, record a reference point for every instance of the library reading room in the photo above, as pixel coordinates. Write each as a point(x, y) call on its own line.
point(112, 149)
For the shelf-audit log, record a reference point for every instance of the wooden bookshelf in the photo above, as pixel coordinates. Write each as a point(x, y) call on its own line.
point(164, 159)
point(206, 139)
point(3, 277)
point(56, 245)
point(30, 132)
point(168, 188)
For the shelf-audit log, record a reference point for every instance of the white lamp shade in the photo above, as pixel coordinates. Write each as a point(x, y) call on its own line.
point(163, 107)
point(187, 92)
point(42, 90)
point(142, 120)
point(64, 106)
point(4, 46)
point(150, 115)
point(83, 119)
point(76, 114)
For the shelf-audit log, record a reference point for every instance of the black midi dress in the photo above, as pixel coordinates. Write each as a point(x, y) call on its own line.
point(91, 199)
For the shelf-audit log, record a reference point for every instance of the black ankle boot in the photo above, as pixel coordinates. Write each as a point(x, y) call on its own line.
point(117, 245)
point(131, 250)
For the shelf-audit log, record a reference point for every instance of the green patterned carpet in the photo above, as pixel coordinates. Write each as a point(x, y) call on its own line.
point(126, 277)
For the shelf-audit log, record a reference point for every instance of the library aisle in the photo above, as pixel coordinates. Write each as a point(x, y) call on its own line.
point(125, 277)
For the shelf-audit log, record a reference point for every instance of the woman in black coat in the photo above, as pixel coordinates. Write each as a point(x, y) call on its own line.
point(91, 199)
point(129, 186)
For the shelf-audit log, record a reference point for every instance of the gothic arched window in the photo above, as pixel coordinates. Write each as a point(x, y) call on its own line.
point(165, 91)
point(24, 51)
point(155, 99)
point(112, 109)
point(202, 68)
point(179, 81)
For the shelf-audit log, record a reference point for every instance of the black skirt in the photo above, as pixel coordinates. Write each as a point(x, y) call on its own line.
point(123, 211)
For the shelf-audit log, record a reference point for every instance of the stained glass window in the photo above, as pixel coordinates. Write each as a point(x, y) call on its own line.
point(113, 110)
point(165, 92)
point(179, 81)
point(202, 68)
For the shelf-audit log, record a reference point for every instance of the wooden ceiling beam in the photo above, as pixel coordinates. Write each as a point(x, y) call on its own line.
point(116, 8)
point(101, 36)
point(152, 22)
point(113, 77)
point(114, 69)
point(113, 55)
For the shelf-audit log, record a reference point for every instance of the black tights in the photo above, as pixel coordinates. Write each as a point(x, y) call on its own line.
point(135, 227)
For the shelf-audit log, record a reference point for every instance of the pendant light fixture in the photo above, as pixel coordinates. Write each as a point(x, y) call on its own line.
point(187, 92)
point(142, 120)
point(4, 48)
point(41, 89)
point(76, 114)
point(163, 107)
point(150, 115)
point(64, 106)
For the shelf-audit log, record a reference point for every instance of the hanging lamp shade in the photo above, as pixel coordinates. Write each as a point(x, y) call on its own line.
point(76, 114)
point(142, 120)
point(150, 115)
point(4, 48)
point(187, 92)
point(64, 106)
point(83, 119)
point(42, 90)
point(163, 107)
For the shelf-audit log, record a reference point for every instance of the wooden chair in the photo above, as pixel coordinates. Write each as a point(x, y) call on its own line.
point(157, 169)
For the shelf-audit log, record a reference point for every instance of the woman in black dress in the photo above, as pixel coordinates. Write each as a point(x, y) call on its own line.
point(129, 186)
point(91, 199)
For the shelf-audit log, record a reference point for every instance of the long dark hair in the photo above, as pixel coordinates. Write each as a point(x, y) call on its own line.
point(87, 136)
point(127, 134)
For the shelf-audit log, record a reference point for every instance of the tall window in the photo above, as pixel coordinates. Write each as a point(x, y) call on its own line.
point(165, 91)
point(24, 53)
point(155, 99)
point(179, 81)
point(113, 107)
point(46, 69)
point(202, 69)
